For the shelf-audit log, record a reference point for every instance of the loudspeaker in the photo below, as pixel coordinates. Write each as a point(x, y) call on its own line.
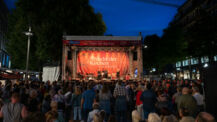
point(135, 55)
point(209, 77)
point(69, 55)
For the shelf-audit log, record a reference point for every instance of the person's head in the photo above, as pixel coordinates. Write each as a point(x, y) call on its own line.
point(77, 90)
point(183, 112)
point(112, 118)
point(89, 86)
point(95, 106)
point(120, 82)
point(170, 118)
point(47, 98)
point(140, 88)
point(33, 94)
point(179, 89)
point(15, 98)
point(148, 86)
point(105, 89)
point(35, 117)
point(153, 117)
point(60, 92)
point(136, 116)
point(51, 116)
point(54, 105)
point(185, 90)
point(205, 117)
point(195, 89)
point(165, 111)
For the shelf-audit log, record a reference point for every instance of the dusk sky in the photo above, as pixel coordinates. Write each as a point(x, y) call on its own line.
point(129, 17)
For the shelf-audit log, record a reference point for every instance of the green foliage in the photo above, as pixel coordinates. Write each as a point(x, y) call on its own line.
point(151, 52)
point(173, 46)
point(196, 39)
point(49, 19)
point(202, 36)
point(168, 49)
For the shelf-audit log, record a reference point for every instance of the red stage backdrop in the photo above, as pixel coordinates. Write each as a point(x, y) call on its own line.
point(94, 61)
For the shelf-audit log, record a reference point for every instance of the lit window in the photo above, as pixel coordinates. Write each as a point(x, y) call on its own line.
point(205, 59)
point(178, 64)
point(185, 63)
point(215, 58)
point(194, 61)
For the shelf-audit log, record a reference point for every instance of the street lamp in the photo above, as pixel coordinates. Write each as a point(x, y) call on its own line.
point(29, 34)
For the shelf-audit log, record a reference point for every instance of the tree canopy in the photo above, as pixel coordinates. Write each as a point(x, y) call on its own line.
point(168, 49)
point(49, 19)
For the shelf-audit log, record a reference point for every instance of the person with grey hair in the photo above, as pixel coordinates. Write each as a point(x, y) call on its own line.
point(136, 117)
point(199, 98)
point(205, 117)
point(153, 117)
point(187, 101)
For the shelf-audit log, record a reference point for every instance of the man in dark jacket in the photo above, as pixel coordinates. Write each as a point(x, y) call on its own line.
point(148, 98)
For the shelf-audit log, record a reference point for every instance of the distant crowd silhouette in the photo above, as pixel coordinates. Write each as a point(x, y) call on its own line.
point(102, 101)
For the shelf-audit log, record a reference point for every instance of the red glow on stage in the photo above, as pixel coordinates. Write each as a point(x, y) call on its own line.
point(90, 62)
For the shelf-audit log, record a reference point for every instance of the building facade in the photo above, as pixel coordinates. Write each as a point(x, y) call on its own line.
point(4, 57)
point(188, 15)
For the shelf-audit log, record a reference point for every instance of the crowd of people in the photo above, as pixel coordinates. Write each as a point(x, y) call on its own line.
point(103, 101)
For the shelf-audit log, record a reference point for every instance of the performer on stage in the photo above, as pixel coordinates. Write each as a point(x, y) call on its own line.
point(103, 73)
point(118, 74)
point(106, 74)
point(99, 76)
point(127, 77)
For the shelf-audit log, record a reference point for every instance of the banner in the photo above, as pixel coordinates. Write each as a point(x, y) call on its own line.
point(90, 62)
point(100, 43)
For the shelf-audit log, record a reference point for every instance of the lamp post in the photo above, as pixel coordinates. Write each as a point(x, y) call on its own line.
point(29, 34)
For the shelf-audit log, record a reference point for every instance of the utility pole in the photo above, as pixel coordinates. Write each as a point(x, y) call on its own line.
point(29, 34)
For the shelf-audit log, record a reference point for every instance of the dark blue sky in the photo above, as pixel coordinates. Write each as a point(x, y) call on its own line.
point(129, 17)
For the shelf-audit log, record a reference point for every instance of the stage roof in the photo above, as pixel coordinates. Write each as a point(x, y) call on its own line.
point(103, 38)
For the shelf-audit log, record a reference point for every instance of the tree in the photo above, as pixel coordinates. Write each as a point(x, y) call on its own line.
point(49, 19)
point(168, 49)
point(202, 36)
point(151, 52)
point(173, 46)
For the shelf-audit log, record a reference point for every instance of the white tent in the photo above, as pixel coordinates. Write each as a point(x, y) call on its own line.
point(51, 73)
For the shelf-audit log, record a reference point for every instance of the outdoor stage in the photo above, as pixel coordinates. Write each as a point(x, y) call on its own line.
point(102, 57)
